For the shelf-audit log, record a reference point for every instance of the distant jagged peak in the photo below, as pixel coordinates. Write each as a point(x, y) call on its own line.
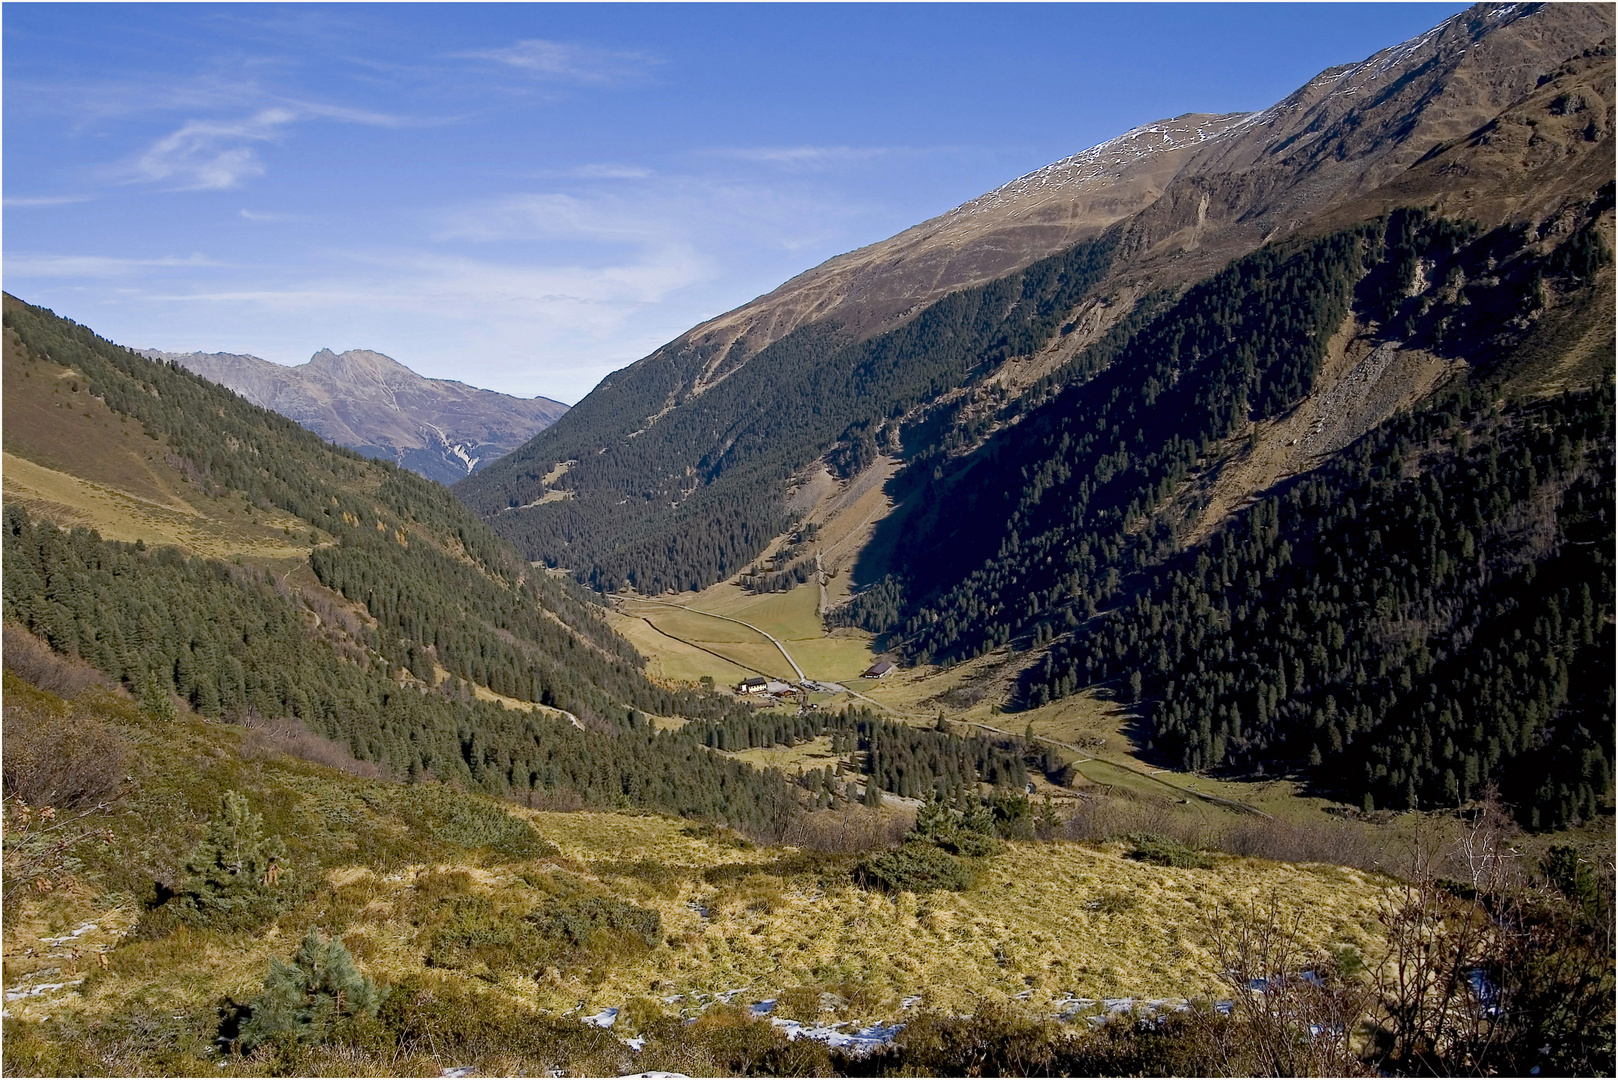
point(353, 362)
point(360, 398)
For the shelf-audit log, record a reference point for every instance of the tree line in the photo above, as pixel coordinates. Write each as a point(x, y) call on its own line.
point(693, 496)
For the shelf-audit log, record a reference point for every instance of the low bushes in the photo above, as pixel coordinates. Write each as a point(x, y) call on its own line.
point(936, 854)
point(572, 926)
point(232, 882)
point(916, 867)
point(56, 753)
point(1165, 852)
point(305, 1001)
point(463, 821)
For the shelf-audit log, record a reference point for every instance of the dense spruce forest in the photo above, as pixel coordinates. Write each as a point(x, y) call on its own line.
point(916, 763)
point(1418, 617)
point(433, 585)
point(437, 584)
point(1087, 482)
point(437, 606)
point(230, 642)
point(689, 499)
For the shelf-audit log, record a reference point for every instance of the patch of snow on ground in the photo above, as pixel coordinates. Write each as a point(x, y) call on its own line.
point(855, 1043)
point(603, 1019)
point(57, 942)
point(42, 988)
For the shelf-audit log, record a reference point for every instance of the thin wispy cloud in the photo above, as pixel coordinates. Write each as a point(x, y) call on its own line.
point(206, 155)
point(272, 217)
point(97, 266)
point(45, 200)
point(598, 172)
point(556, 61)
point(323, 111)
point(541, 308)
point(212, 155)
point(804, 157)
point(518, 217)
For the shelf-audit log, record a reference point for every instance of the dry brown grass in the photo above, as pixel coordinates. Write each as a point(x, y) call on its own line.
point(70, 458)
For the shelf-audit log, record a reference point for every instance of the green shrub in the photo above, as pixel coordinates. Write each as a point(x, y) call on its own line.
point(564, 930)
point(304, 1001)
point(454, 1021)
point(595, 922)
point(1013, 816)
point(467, 821)
point(475, 930)
point(971, 835)
point(916, 867)
point(995, 1042)
point(233, 878)
point(739, 1044)
point(969, 844)
point(1165, 852)
point(658, 877)
point(31, 1051)
point(1573, 877)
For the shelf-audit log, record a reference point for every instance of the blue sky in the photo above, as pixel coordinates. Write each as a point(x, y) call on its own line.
point(529, 196)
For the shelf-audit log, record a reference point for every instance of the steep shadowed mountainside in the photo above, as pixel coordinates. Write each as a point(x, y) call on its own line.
point(676, 471)
point(368, 402)
point(1128, 431)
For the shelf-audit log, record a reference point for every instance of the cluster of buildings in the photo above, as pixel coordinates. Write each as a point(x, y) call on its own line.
point(775, 688)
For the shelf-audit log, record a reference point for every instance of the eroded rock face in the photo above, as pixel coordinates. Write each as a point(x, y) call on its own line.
point(439, 428)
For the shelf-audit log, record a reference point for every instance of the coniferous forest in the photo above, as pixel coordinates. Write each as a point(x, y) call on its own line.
point(1427, 614)
point(684, 500)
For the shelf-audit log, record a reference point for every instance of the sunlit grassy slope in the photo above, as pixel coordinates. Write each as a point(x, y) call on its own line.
point(1044, 920)
point(691, 643)
point(73, 460)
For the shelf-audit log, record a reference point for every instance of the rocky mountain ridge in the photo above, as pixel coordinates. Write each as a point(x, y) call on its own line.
point(440, 428)
point(1500, 116)
point(1195, 190)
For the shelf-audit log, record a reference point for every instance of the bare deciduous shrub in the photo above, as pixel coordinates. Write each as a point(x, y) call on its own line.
point(1296, 1014)
point(1447, 980)
point(45, 668)
point(1106, 817)
point(287, 735)
point(57, 754)
point(850, 829)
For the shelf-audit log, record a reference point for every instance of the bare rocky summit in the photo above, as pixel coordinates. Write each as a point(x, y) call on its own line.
point(439, 428)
